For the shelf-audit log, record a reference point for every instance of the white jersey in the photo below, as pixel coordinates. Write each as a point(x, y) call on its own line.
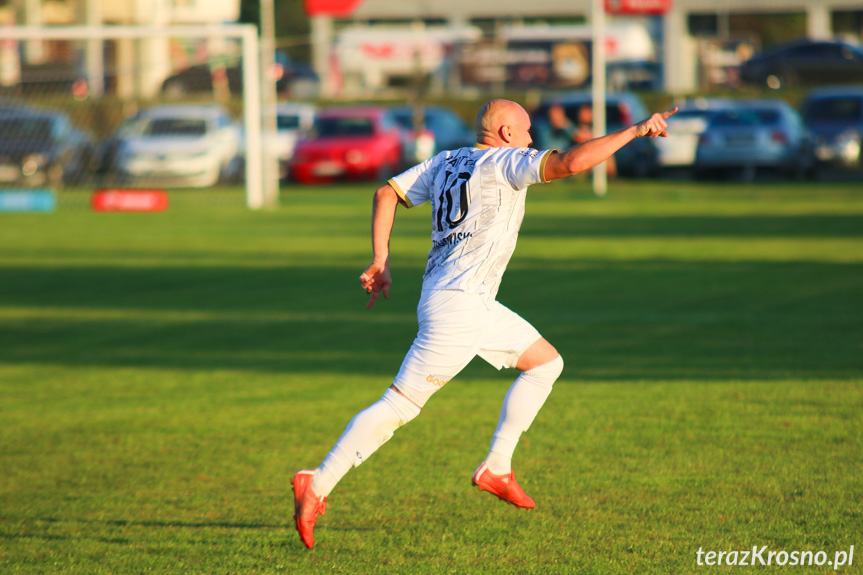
point(477, 202)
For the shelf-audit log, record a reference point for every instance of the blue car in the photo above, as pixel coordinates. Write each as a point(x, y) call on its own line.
point(449, 130)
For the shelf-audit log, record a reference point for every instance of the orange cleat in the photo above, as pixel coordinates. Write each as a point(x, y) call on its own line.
point(307, 506)
point(504, 486)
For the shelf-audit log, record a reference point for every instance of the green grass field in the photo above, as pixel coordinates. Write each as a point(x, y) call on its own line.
point(162, 376)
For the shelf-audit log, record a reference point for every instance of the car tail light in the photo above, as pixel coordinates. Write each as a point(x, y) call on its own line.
point(779, 137)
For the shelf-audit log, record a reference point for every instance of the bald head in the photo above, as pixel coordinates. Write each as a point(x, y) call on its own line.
point(503, 123)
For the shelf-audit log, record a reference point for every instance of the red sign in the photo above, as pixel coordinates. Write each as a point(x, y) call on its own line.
point(337, 8)
point(640, 7)
point(129, 201)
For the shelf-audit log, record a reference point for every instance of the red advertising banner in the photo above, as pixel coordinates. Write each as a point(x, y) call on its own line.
point(338, 8)
point(118, 200)
point(640, 7)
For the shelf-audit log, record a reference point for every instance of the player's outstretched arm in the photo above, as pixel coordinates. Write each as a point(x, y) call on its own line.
point(584, 156)
point(376, 277)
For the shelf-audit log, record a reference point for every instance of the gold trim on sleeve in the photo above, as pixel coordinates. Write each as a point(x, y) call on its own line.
point(542, 162)
point(403, 197)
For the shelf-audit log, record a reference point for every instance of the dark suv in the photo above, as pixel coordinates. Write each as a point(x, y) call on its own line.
point(835, 117)
point(805, 63)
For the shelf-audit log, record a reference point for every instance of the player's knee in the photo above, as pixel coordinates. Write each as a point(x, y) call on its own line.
point(547, 373)
point(404, 408)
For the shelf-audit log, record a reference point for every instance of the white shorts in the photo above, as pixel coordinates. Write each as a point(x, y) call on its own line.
point(455, 327)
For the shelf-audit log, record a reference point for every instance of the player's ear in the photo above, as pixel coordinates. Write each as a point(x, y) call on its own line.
point(505, 133)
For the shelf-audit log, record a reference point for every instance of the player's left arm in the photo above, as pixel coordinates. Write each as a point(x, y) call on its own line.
point(584, 156)
point(376, 277)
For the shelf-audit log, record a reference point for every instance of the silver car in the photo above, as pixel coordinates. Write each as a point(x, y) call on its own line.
point(754, 135)
point(179, 145)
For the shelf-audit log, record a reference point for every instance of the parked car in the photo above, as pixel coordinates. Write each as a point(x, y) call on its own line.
point(835, 117)
point(805, 62)
point(180, 145)
point(110, 149)
point(754, 135)
point(789, 147)
point(677, 151)
point(42, 147)
point(349, 143)
point(293, 121)
point(447, 128)
point(638, 158)
point(730, 141)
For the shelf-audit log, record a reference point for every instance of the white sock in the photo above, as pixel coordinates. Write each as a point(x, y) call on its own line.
point(522, 402)
point(368, 430)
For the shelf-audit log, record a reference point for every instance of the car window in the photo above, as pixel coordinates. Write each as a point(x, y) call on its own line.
point(687, 114)
point(838, 108)
point(735, 118)
point(288, 121)
point(176, 127)
point(826, 51)
point(768, 117)
point(25, 129)
point(404, 120)
point(335, 127)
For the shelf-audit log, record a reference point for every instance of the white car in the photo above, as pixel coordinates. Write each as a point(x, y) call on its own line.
point(293, 121)
point(180, 145)
point(679, 149)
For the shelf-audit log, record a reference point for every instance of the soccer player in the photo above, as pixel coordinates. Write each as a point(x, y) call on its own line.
point(477, 197)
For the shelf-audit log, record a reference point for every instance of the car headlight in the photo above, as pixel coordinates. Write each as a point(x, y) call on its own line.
point(33, 163)
point(848, 143)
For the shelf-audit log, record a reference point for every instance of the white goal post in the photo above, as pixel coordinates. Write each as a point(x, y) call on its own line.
point(255, 171)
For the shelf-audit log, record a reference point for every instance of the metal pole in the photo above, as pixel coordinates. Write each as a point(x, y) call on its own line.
point(95, 51)
point(268, 105)
point(255, 196)
point(597, 21)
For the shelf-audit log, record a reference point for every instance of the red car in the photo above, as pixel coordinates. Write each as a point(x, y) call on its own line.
point(349, 143)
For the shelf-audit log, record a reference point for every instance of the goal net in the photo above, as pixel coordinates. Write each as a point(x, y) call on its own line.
point(136, 107)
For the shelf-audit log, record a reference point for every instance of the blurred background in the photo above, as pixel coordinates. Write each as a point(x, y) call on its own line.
point(259, 93)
